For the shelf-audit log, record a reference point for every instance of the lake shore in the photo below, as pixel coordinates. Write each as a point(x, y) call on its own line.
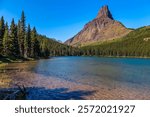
point(42, 87)
point(130, 57)
point(6, 60)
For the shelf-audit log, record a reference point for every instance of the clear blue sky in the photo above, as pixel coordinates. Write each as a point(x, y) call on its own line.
point(62, 19)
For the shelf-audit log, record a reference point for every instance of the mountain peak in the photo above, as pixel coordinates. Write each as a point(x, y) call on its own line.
point(104, 13)
point(102, 28)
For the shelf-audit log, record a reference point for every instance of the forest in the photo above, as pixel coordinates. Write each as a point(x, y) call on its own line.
point(20, 41)
point(135, 44)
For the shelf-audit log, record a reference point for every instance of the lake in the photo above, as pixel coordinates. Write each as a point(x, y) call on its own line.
point(110, 78)
point(96, 71)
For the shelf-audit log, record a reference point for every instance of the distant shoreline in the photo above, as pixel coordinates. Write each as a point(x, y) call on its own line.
point(16, 60)
point(136, 57)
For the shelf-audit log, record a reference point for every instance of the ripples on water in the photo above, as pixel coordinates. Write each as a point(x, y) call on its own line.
point(97, 71)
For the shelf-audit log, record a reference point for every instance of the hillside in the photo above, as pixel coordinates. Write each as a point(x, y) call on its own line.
point(136, 43)
point(51, 47)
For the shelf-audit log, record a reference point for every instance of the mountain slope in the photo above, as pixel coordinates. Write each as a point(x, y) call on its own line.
point(102, 28)
point(136, 43)
point(51, 47)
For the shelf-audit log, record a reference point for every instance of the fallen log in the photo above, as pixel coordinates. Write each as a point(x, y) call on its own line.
point(19, 94)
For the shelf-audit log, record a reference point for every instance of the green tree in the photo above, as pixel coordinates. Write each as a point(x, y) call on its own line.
point(35, 50)
point(2, 30)
point(14, 47)
point(27, 42)
point(21, 33)
point(6, 41)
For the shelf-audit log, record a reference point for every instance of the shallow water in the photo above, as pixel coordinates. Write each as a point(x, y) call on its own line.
point(97, 71)
point(80, 78)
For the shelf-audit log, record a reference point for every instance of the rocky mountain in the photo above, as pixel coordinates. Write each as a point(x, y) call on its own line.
point(102, 28)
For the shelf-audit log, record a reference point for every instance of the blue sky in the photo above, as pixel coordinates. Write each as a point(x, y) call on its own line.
point(62, 19)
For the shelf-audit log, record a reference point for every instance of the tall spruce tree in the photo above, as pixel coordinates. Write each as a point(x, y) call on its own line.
point(2, 30)
point(27, 43)
point(35, 50)
point(14, 40)
point(6, 42)
point(21, 33)
point(18, 35)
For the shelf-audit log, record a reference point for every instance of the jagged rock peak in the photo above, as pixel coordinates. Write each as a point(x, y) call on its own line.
point(102, 28)
point(105, 13)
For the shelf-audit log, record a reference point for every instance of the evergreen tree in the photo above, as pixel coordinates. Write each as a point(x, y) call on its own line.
point(18, 35)
point(27, 42)
point(35, 50)
point(14, 40)
point(2, 30)
point(21, 33)
point(6, 41)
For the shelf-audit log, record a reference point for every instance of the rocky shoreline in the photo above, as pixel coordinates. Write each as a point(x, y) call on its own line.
point(40, 87)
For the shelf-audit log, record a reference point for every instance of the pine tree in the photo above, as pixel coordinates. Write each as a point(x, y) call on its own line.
point(18, 36)
point(21, 33)
point(14, 40)
point(35, 50)
point(2, 30)
point(6, 43)
point(27, 42)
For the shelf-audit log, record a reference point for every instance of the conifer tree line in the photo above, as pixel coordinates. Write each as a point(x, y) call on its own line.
point(20, 41)
point(52, 47)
